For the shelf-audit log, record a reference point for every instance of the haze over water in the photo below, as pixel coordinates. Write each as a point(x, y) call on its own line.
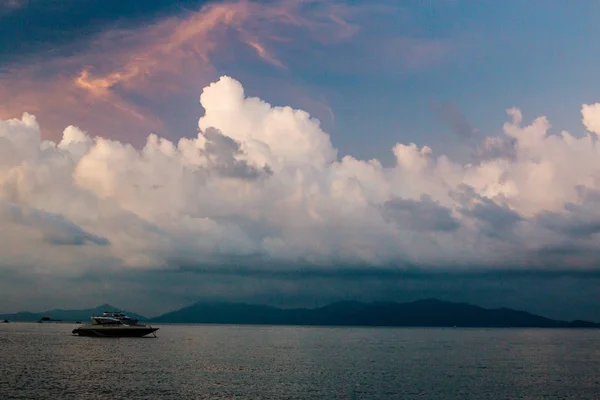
point(43, 361)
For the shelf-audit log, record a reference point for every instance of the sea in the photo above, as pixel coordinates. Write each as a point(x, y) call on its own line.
point(45, 361)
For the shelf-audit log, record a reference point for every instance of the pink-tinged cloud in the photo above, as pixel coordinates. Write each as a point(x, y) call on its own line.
point(95, 87)
point(129, 81)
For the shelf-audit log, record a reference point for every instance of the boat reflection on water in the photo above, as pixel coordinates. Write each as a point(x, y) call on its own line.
point(114, 324)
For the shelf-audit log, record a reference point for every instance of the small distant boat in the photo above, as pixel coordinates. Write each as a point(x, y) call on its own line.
point(48, 319)
point(114, 324)
point(5, 321)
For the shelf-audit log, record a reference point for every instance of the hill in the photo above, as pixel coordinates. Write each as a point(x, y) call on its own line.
point(423, 313)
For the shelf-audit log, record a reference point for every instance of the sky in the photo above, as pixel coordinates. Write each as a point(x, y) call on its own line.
point(299, 152)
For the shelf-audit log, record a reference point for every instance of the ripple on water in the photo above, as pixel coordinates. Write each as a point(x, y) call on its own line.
point(44, 361)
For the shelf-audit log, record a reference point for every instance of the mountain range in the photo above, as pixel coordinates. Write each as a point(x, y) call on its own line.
point(423, 313)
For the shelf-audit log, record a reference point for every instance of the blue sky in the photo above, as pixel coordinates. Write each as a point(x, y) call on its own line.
point(484, 57)
point(534, 55)
point(530, 54)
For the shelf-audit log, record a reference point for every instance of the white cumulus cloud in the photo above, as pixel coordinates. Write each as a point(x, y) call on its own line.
point(264, 184)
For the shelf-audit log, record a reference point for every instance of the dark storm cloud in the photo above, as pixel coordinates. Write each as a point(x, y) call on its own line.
point(566, 294)
point(61, 26)
point(74, 236)
point(563, 294)
point(495, 220)
point(577, 220)
point(425, 214)
point(222, 151)
point(55, 229)
point(392, 272)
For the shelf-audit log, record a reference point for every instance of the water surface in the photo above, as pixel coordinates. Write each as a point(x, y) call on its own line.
point(44, 361)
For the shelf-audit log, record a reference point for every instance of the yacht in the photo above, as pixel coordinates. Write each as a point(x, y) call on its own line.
point(114, 324)
point(110, 317)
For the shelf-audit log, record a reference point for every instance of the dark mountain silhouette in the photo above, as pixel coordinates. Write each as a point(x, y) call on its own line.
point(66, 315)
point(423, 313)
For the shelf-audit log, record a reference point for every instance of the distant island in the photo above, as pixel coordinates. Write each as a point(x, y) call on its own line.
point(420, 313)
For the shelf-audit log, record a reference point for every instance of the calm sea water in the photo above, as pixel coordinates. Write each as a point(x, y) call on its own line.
point(44, 361)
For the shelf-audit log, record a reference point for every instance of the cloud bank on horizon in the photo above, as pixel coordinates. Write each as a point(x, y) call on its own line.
point(263, 186)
